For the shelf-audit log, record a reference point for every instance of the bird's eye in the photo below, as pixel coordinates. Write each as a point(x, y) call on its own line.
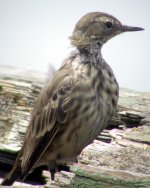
point(108, 25)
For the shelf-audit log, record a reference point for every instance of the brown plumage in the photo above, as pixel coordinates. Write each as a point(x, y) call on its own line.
point(77, 104)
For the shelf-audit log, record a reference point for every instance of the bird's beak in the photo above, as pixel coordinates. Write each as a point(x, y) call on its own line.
point(130, 28)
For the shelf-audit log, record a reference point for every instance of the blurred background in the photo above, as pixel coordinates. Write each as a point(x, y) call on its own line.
point(34, 34)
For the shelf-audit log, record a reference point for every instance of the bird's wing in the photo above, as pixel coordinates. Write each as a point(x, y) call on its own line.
point(46, 120)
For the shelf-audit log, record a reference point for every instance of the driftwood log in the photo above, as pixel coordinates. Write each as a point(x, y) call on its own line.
point(119, 157)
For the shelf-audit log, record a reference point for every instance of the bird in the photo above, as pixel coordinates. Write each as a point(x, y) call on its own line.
point(77, 104)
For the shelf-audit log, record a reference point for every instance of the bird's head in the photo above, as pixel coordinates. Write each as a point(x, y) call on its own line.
point(97, 26)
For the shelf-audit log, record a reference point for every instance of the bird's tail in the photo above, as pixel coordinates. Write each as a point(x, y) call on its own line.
point(13, 175)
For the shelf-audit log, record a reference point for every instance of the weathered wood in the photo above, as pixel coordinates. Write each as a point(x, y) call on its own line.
point(122, 163)
point(101, 178)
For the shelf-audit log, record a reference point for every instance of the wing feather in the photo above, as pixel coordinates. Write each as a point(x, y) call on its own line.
point(47, 118)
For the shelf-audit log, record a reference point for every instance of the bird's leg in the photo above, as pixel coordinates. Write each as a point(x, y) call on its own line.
point(53, 169)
